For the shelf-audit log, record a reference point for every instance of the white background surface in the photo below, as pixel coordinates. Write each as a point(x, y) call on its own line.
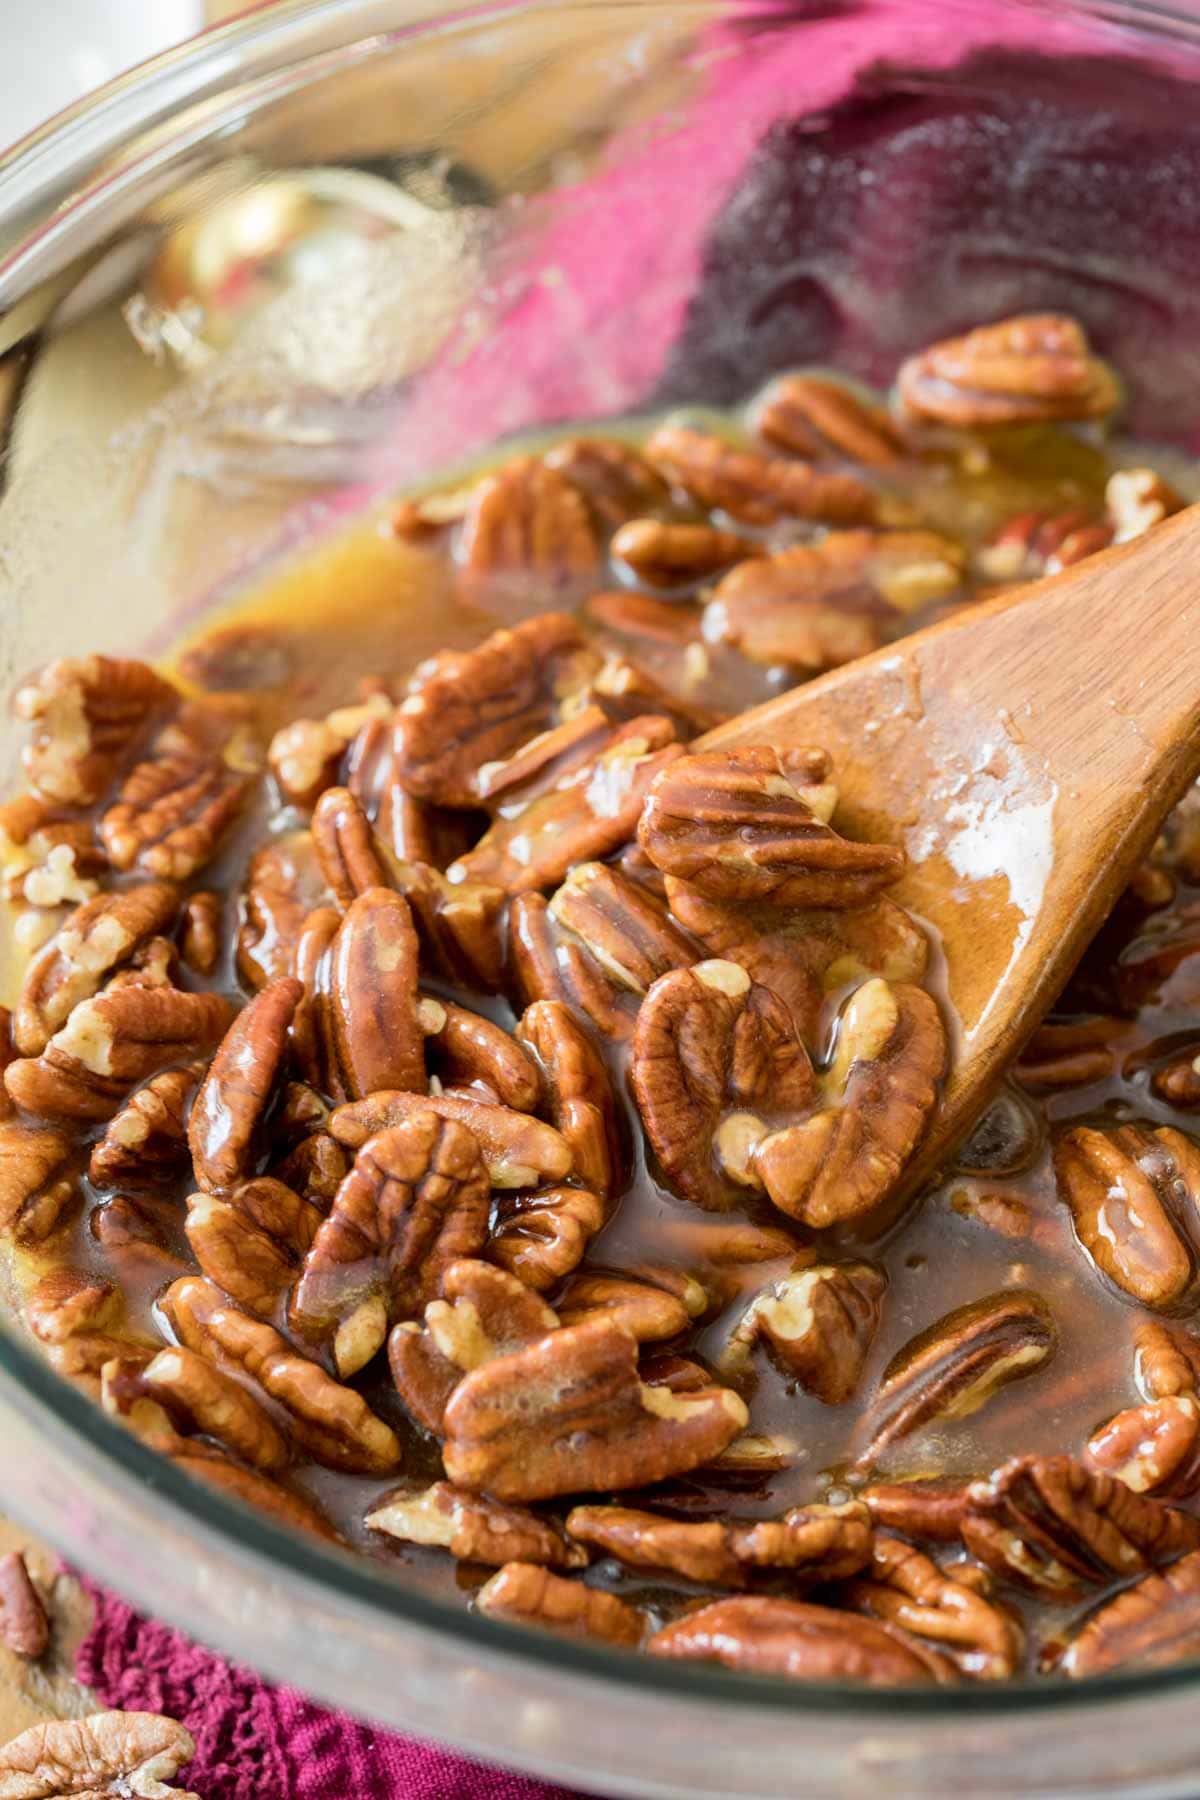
point(52, 51)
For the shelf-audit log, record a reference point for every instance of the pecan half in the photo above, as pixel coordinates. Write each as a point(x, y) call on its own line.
point(824, 1543)
point(1151, 1625)
point(416, 1199)
point(112, 1042)
point(475, 1529)
point(200, 931)
point(332, 1423)
point(173, 809)
point(1032, 367)
point(253, 1242)
point(459, 925)
point(666, 554)
point(890, 1057)
point(304, 756)
point(470, 1051)
point(820, 1322)
point(616, 479)
point(710, 1041)
point(623, 925)
point(528, 519)
point(819, 418)
point(234, 1096)
point(1153, 1448)
point(661, 1304)
point(1166, 1361)
point(94, 940)
point(66, 1302)
point(530, 1595)
point(749, 824)
point(541, 1237)
point(198, 1397)
point(905, 1589)
point(569, 1414)
point(467, 709)
point(518, 1151)
point(483, 1313)
point(88, 713)
point(284, 885)
point(546, 964)
point(131, 1237)
point(955, 1366)
point(580, 1098)
point(1056, 1527)
point(807, 1643)
point(1129, 1192)
point(373, 964)
point(1137, 500)
point(24, 1626)
point(920, 1509)
point(1040, 543)
point(146, 1141)
point(107, 1754)
point(752, 488)
point(347, 849)
point(36, 1183)
point(592, 811)
point(47, 858)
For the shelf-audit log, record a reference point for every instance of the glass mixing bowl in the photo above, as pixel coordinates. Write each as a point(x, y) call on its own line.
point(342, 242)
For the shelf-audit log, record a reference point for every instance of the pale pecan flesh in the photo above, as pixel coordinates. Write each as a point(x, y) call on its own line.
point(90, 944)
point(235, 1093)
point(48, 856)
point(482, 1313)
point(530, 1595)
point(459, 925)
point(107, 1754)
point(1051, 1524)
point(518, 1151)
point(819, 418)
point(807, 1643)
point(1137, 500)
point(818, 1322)
point(331, 1422)
point(252, 1242)
point(751, 824)
point(955, 1366)
point(904, 1588)
point(475, 1528)
point(752, 488)
point(24, 1626)
point(823, 1543)
point(88, 714)
point(1132, 1196)
point(568, 1414)
point(1032, 367)
point(1149, 1626)
point(415, 1201)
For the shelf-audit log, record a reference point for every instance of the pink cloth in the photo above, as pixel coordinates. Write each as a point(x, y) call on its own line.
point(256, 1742)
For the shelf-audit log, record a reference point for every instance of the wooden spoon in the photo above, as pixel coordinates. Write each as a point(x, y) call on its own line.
point(1024, 753)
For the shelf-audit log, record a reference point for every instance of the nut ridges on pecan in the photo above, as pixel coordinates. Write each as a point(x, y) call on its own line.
point(666, 554)
point(579, 1092)
point(348, 852)
point(1132, 1194)
point(519, 1151)
point(927, 1509)
point(1148, 1626)
point(543, 762)
point(824, 1543)
point(110, 1043)
point(467, 709)
point(482, 1313)
point(818, 1322)
point(1166, 1360)
point(807, 1643)
point(568, 1414)
point(315, 1169)
point(283, 886)
point(818, 418)
point(474, 1528)
point(546, 964)
point(468, 1050)
point(66, 1302)
point(332, 1423)
point(904, 1588)
point(527, 519)
point(88, 714)
point(1031, 367)
point(750, 824)
point(616, 479)
point(174, 808)
point(35, 1160)
point(146, 1141)
point(1054, 1526)
point(883, 1084)
point(1153, 1448)
point(652, 1303)
point(253, 1242)
point(24, 1625)
point(109, 1753)
point(460, 925)
point(590, 814)
point(416, 1200)
point(373, 997)
point(236, 1092)
point(623, 925)
point(951, 1369)
point(531, 1595)
point(198, 1397)
point(133, 1240)
point(541, 1237)
point(92, 941)
point(753, 488)
point(710, 1041)
point(1038, 543)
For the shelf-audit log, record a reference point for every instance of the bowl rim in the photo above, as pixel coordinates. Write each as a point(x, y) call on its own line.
point(76, 139)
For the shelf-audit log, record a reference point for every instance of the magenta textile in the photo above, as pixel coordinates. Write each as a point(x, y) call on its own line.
point(255, 1742)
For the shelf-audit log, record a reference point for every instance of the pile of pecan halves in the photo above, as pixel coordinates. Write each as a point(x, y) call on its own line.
point(286, 1191)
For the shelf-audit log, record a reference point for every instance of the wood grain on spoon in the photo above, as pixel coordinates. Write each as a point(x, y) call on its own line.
point(1024, 753)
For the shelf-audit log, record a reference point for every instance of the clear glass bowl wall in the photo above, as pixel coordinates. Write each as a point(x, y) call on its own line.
point(451, 226)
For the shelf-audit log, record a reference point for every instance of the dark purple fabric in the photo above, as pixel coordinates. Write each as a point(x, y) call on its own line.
point(255, 1742)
